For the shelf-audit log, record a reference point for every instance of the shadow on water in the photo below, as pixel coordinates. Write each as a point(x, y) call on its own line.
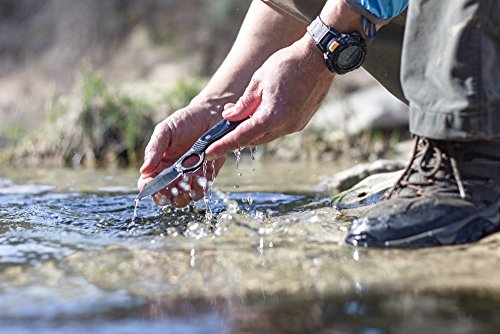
point(73, 261)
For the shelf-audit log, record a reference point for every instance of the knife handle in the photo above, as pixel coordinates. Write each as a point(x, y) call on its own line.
point(218, 131)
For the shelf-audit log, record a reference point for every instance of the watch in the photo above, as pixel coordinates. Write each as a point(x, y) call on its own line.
point(342, 52)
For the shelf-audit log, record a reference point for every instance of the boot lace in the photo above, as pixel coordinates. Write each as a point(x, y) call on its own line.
point(431, 163)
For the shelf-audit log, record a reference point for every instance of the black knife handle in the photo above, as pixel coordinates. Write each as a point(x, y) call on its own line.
point(218, 131)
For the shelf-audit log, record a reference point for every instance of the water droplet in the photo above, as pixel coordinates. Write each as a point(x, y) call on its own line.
point(355, 255)
point(184, 186)
point(172, 232)
point(134, 215)
point(261, 245)
point(202, 182)
point(253, 151)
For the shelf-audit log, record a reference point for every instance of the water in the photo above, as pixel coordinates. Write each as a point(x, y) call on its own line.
point(269, 259)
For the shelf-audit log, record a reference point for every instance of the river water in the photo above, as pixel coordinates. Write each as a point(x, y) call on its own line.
point(270, 260)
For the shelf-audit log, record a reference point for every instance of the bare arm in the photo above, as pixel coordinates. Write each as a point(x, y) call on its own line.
point(264, 31)
point(285, 92)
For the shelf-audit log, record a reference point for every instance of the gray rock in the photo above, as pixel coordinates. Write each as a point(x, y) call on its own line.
point(369, 108)
point(348, 178)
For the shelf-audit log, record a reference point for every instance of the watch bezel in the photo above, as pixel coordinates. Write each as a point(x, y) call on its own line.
point(344, 41)
point(325, 36)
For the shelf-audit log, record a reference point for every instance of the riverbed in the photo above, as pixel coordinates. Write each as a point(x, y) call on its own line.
point(264, 252)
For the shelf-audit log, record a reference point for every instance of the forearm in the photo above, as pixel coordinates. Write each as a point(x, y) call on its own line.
point(340, 16)
point(264, 31)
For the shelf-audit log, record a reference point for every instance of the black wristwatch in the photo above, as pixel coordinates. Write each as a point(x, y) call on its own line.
point(342, 52)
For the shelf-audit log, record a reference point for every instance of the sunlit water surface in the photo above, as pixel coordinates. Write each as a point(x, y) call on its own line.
point(271, 258)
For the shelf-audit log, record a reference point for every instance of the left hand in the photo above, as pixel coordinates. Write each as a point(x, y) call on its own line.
point(281, 98)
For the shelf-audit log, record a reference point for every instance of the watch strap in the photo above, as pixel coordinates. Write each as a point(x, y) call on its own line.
point(318, 31)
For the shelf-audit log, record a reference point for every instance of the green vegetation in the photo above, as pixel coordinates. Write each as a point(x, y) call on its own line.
point(113, 118)
point(99, 127)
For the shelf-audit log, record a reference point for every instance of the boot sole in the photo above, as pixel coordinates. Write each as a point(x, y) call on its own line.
point(466, 230)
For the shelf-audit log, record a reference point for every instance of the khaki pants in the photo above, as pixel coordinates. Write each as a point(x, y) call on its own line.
point(440, 57)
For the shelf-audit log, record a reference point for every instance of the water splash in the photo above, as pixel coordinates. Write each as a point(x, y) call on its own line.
point(134, 214)
point(237, 154)
point(207, 187)
point(253, 152)
point(132, 225)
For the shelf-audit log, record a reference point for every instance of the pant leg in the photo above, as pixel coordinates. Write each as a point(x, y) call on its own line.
point(451, 68)
point(383, 60)
point(304, 10)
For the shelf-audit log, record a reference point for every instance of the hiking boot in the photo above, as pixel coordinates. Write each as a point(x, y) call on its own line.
point(448, 194)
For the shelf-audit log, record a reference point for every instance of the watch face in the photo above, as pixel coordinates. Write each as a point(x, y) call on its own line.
point(350, 57)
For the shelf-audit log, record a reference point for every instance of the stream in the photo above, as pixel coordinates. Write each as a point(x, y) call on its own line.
point(270, 259)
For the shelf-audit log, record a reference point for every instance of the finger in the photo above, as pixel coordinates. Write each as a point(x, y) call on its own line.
point(161, 200)
point(264, 139)
point(157, 145)
point(181, 200)
point(168, 195)
point(246, 105)
point(146, 178)
point(180, 193)
point(198, 186)
point(228, 105)
point(244, 135)
point(163, 197)
point(143, 181)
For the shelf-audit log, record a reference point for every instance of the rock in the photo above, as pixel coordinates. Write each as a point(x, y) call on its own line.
point(369, 108)
point(367, 192)
point(348, 178)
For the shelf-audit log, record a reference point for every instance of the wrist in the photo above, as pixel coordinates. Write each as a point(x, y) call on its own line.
point(212, 102)
point(314, 56)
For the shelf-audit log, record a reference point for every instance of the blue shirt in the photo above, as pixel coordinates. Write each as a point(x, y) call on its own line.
point(380, 10)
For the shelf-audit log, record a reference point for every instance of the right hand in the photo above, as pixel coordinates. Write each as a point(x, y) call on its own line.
point(170, 140)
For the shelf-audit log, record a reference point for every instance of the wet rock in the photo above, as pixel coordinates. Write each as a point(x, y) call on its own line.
point(348, 178)
point(365, 193)
point(369, 108)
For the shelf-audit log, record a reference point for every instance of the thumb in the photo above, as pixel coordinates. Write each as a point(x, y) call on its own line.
point(246, 105)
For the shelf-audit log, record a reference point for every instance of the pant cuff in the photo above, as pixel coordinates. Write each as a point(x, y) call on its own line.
point(465, 126)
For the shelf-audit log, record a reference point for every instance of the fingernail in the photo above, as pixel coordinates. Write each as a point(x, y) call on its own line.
point(228, 112)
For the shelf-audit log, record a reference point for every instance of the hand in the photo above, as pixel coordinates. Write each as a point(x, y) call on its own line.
point(172, 138)
point(281, 98)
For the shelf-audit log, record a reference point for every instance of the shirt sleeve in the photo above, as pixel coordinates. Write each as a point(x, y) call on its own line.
point(379, 11)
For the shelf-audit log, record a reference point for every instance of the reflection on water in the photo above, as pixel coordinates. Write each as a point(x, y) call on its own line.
point(268, 260)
